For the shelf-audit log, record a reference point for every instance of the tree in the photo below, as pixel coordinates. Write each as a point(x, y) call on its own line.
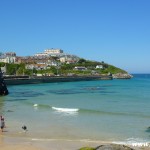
point(81, 61)
point(53, 70)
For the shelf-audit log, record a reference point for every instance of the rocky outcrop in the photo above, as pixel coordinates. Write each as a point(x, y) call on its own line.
point(3, 87)
point(122, 76)
point(113, 147)
point(108, 147)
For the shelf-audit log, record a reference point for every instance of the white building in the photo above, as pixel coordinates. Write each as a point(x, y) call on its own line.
point(53, 51)
point(7, 59)
point(13, 54)
point(80, 68)
point(40, 54)
point(99, 67)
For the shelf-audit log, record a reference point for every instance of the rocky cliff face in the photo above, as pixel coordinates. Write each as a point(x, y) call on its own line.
point(3, 87)
point(122, 76)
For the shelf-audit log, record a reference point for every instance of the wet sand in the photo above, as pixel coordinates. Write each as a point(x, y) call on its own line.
point(17, 143)
point(14, 143)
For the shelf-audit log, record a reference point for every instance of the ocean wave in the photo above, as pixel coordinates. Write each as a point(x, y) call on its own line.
point(91, 111)
point(66, 109)
point(101, 112)
point(68, 140)
point(41, 106)
point(133, 142)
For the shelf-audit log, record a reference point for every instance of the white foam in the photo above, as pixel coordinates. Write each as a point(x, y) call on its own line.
point(35, 105)
point(133, 142)
point(75, 140)
point(66, 109)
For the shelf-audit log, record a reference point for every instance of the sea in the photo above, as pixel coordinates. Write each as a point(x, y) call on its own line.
point(116, 111)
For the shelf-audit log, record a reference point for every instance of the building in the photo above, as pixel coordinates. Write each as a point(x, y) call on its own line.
point(11, 54)
point(43, 60)
point(99, 67)
point(36, 66)
point(80, 68)
point(33, 59)
point(40, 54)
point(7, 59)
point(2, 58)
point(53, 51)
point(69, 59)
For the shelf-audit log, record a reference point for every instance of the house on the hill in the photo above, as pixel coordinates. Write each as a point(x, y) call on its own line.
point(99, 67)
point(80, 68)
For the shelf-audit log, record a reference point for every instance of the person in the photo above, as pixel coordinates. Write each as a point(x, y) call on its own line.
point(2, 123)
point(24, 128)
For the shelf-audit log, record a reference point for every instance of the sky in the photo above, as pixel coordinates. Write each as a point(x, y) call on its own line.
point(114, 31)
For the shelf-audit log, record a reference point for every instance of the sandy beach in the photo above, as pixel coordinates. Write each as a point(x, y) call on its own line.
point(17, 143)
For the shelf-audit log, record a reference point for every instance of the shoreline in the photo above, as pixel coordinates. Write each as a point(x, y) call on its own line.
point(17, 143)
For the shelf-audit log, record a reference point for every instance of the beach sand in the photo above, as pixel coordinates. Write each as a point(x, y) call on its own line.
point(17, 143)
point(20, 143)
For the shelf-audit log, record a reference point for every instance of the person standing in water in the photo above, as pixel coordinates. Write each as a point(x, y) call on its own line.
point(2, 123)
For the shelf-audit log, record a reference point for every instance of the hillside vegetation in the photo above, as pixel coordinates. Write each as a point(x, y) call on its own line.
point(64, 69)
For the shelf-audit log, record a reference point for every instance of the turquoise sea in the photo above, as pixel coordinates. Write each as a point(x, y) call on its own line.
point(107, 110)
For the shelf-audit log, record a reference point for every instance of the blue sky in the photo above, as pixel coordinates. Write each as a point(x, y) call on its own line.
point(114, 31)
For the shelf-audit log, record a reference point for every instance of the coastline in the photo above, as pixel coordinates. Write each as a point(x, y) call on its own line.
point(17, 143)
point(17, 80)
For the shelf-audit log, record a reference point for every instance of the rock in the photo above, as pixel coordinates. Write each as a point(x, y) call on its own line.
point(113, 147)
point(108, 147)
point(122, 76)
point(3, 87)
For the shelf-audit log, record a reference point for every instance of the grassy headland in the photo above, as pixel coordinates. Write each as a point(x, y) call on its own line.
point(82, 67)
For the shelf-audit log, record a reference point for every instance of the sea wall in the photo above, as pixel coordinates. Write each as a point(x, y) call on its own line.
point(47, 79)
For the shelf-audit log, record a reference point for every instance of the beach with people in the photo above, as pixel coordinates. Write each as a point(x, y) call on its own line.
point(71, 115)
point(15, 143)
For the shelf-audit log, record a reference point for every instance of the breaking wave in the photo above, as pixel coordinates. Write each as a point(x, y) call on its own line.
point(91, 111)
point(66, 109)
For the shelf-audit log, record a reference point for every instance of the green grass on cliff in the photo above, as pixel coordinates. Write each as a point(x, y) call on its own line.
point(113, 70)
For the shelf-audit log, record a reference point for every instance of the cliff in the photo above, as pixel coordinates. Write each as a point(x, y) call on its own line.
point(3, 87)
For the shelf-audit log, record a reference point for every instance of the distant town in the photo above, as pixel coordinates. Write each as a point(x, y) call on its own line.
point(39, 60)
point(53, 62)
